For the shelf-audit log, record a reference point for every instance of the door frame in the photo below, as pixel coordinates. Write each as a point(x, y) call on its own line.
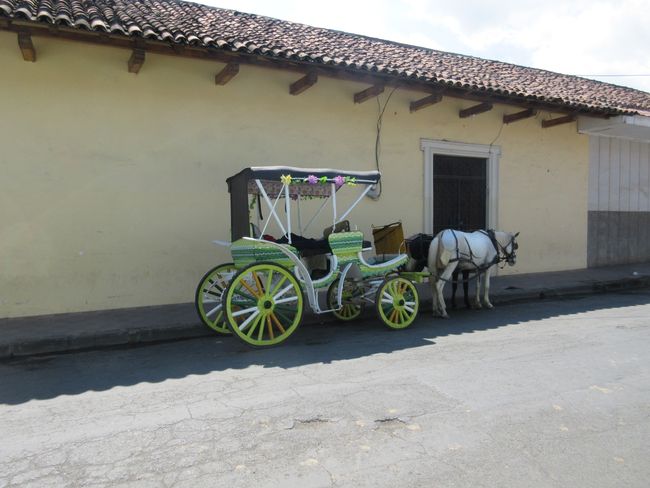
point(491, 153)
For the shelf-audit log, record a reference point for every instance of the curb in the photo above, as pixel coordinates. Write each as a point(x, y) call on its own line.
point(151, 335)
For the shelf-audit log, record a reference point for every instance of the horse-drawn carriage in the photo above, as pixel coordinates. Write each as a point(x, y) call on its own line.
point(259, 297)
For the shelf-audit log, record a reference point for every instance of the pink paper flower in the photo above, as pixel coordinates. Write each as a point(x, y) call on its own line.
point(339, 181)
point(312, 180)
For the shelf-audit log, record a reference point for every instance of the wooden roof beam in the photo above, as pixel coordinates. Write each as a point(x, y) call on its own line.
point(524, 114)
point(425, 102)
point(136, 60)
point(195, 52)
point(304, 83)
point(368, 93)
point(226, 74)
point(475, 109)
point(558, 121)
point(26, 46)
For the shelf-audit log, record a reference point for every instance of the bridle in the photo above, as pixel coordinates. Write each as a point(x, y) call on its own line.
point(502, 253)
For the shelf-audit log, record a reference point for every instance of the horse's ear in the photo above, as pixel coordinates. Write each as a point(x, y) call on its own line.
point(515, 236)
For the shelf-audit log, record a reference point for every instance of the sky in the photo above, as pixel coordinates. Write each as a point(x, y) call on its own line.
point(576, 37)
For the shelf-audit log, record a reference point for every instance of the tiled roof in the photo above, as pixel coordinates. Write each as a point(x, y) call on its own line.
point(178, 22)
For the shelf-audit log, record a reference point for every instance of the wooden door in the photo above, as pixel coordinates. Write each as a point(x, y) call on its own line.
point(459, 193)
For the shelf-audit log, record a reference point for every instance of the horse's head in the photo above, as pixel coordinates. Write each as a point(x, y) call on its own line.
point(510, 249)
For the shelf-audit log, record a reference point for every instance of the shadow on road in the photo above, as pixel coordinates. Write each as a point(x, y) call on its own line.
point(40, 378)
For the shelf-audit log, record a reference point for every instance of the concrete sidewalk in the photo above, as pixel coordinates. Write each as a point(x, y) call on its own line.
point(91, 330)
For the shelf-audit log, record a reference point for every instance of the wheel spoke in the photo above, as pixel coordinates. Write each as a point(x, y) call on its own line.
point(254, 326)
point(249, 288)
point(260, 331)
point(277, 322)
point(402, 316)
point(278, 284)
point(283, 316)
point(287, 300)
point(245, 295)
point(409, 309)
point(268, 326)
point(243, 325)
point(392, 316)
point(387, 296)
point(282, 292)
point(386, 300)
point(269, 280)
point(218, 307)
point(258, 283)
point(246, 310)
point(219, 317)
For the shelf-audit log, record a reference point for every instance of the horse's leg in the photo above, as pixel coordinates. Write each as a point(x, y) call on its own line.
point(486, 290)
point(477, 297)
point(454, 288)
point(444, 277)
point(433, 281)
point(466, 288)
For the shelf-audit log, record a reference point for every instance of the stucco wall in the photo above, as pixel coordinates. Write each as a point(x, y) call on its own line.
point(112, 185)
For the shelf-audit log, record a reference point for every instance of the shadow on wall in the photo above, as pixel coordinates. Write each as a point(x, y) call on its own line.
point(73, 374)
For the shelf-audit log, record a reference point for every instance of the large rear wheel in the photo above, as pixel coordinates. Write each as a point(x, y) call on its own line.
point(208, 297)
point(397, 302)
point(263, 304)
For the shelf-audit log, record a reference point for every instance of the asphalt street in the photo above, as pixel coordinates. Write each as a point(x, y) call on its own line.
point(537, 394)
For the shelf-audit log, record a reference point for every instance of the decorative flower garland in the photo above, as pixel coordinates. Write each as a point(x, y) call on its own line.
point(339, 180)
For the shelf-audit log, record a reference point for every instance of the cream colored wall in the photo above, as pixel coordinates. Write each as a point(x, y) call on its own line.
point(112, 185)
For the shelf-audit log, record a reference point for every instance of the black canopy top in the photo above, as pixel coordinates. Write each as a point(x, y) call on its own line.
point(309, 182)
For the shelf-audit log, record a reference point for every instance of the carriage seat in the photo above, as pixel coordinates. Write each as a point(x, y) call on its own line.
point(307, 246)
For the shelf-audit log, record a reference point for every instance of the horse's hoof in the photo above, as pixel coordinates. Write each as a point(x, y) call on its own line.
point(488, 305)
point(476, 306)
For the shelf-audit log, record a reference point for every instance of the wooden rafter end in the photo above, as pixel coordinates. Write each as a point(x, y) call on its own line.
point(524, 114)
point(226, 74)
point(558, 121)
point(304, 83)
point(475, 109)
point(26, 46)
point(425, 102)
point(136, 60)
point(368, 93)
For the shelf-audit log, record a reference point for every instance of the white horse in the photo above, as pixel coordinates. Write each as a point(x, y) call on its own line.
point(476, 252)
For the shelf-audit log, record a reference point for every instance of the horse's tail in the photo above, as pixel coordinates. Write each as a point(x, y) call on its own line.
point(433, 261)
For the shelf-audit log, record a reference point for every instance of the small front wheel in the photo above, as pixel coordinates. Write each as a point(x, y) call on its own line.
point(208, 297)
point(263, 304)
point(349, 310)
point(397, 302)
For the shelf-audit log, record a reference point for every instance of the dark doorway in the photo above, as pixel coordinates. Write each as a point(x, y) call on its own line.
point(459, 193)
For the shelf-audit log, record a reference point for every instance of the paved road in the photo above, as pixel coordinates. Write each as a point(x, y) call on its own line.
point(552, 393)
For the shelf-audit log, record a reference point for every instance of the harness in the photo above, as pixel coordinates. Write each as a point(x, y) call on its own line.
point(501, 255)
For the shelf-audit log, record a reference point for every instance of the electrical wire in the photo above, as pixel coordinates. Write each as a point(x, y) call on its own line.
point(497, 136)
point(380, 118)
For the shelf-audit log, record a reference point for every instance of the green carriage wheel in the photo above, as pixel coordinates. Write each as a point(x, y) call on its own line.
point(397, 302)
point(348, 311)
point(208, 297)
point(263, 304)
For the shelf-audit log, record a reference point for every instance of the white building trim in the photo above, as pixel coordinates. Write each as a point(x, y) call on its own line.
point(430, 147)
point(630, 127)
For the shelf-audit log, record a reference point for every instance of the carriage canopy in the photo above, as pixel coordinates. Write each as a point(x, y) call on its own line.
point(279, 181)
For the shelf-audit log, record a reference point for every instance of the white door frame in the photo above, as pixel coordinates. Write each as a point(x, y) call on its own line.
point(491, 153)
